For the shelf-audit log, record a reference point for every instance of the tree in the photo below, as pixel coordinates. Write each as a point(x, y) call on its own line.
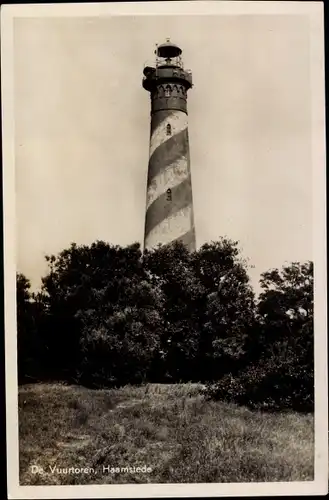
point(119, 340)
point(29, 345)
point(287, 293)
point(285, 310)
point(170, 271)
point(286, 318)
point(102, 314)
point(209, 306)
point(229, 307)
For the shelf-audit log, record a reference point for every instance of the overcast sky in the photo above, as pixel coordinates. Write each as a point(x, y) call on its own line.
point(82, 132)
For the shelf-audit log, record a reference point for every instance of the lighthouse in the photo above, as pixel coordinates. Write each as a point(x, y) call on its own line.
point(169, 203)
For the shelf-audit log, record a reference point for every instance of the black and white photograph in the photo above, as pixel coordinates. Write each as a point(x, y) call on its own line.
point(165, 255)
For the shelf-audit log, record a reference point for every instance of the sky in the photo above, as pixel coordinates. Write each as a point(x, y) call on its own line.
point(82, 127)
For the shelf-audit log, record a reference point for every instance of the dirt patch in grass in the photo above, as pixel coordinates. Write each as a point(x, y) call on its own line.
point(84, 436)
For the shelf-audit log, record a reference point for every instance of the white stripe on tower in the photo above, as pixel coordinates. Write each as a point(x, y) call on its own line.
point(170, 228)
point(178, 122)
point(170, 177)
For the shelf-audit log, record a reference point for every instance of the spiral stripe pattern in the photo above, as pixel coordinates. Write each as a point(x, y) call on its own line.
point(169, 204)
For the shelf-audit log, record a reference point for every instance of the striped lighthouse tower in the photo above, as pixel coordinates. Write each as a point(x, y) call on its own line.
point(169, 204)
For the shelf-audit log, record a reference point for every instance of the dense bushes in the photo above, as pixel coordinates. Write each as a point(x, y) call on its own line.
point(108, 315)
point(280, 374)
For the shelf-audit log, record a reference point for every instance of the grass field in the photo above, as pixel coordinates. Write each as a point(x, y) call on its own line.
point(170, 429)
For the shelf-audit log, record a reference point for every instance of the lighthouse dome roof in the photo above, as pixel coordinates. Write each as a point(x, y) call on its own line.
point(169, 50)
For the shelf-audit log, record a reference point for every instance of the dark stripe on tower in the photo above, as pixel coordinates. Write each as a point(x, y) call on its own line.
point(159, 117)
point(161, 208)
point(188, 239)
point(168, 152)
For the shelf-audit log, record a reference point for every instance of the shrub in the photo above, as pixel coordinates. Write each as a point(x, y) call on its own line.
point(267, 386)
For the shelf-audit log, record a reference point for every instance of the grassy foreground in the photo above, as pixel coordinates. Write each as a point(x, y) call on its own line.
point(170, 431)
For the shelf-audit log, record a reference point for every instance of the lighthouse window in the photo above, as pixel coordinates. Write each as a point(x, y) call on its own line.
point(167, 92)
point(168, 129)
point(169, 194)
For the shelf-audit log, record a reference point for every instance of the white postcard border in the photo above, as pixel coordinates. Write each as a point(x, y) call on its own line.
point(315, 12)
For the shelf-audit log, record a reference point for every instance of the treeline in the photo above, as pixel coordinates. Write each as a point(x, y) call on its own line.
point(107, 316)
